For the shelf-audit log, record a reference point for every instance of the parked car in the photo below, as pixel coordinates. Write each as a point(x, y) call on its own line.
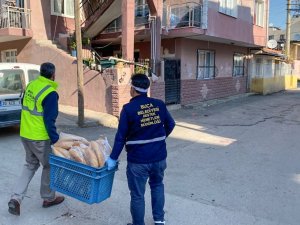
point(13, 80)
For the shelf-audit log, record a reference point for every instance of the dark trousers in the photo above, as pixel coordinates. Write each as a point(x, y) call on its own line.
point(137, 176)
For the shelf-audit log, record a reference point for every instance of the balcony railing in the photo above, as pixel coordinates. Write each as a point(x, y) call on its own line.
point(15, 17)
point(183, 15)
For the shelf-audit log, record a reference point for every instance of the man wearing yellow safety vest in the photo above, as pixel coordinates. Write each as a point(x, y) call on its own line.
point(38, 132)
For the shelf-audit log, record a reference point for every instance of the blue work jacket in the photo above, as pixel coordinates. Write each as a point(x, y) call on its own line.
point(144, 125)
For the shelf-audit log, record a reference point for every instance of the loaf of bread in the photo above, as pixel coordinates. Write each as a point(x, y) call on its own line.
point(64, 144)
point(90, 157)
point(99, 154)
point(57, 152)
point(61, 152)
point(71, 137)
point(77, 154)
point(104, 147)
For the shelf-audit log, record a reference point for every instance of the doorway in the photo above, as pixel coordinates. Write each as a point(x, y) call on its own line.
point(172, 81)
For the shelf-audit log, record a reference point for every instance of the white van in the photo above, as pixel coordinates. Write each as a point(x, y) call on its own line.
point(13, 80)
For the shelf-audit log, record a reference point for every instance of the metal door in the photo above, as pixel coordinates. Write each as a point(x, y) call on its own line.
point(172, 81)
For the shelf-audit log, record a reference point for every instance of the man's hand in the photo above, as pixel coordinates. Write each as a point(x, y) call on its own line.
point(111, 163)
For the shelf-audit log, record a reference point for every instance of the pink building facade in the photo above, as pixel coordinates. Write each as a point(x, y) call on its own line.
point(37, 31)
point(198, 48)
point(204, 45)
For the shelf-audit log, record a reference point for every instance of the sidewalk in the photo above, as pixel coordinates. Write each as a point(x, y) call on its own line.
point(68, 116)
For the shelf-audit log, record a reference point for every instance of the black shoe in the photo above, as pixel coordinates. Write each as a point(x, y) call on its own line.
point(14, 207)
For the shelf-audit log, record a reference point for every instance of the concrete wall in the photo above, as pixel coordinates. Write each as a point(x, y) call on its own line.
point(273, 84)
point(167, 48)
point(186, 50)
point(241, 28)
point(40, 19)
point(45, 25)
point(97, 86)
point(63, 25)
point(19, 45)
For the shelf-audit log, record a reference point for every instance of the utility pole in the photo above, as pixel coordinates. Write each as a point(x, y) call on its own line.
point(80, 85)
point(288, 29)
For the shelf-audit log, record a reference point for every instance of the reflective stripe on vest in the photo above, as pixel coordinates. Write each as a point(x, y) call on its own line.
point(34, 111)
point(145, 141)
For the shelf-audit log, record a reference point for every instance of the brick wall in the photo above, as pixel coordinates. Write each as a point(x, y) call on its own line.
point(157, 90)
point(193, 91)
point(121, 95)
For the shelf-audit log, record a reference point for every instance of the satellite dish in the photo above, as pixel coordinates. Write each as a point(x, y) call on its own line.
point(272, 43)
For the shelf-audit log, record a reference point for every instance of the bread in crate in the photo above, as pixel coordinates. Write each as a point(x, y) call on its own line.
point(76, 148)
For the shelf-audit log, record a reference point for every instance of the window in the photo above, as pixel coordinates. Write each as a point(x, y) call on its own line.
point(259, 12)
point(271, 37)
point(141, 8)
point(206, 64)
point(33, 74)
point(9, 55)
point(259, 68)
point(238, 65)
point(281, 37)
point(228, 7)
point(63, 8)
point(11, 81)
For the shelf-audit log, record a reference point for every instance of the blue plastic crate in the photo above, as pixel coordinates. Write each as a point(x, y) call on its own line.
point(83, 182)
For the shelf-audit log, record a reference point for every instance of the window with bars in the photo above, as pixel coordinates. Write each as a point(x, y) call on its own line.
point(259, 12)
point(63, 8)
point(228, 7)
point(238, 65)
point(205, 64)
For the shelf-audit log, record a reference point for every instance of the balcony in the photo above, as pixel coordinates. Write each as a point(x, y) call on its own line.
point(15, 23)
point(187, 15)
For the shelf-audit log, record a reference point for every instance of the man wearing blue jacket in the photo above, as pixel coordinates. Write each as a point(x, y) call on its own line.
point(144, 125)
point(38, 132)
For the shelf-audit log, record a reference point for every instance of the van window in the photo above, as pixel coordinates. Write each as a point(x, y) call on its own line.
point(11, 81)
point(33, 74)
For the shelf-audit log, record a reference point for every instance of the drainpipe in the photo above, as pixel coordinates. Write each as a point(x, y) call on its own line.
point(153, 43)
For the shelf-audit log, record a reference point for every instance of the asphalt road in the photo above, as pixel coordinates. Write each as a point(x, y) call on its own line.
point(232, 163)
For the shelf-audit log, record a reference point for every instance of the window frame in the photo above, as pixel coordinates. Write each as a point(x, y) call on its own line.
point(260, 20)
point(226, 8)
point(205, 66)
point(10, 51)
point(29, 73)
point(234, 65)
point(61, 14)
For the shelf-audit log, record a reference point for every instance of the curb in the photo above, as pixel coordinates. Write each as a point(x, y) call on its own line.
point(92, 118)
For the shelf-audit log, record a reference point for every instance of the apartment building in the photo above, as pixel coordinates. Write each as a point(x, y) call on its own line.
point(204, 45)
point(279, 35)
point(36, 31)
point(199, 49)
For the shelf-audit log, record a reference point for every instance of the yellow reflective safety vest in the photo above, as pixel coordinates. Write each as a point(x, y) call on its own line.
point(32, 121)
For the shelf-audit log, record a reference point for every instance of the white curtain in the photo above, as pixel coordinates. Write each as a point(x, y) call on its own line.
point(58, 6)
point(69, 7)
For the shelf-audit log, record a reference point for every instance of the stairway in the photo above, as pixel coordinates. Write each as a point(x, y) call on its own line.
point(97, 14)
